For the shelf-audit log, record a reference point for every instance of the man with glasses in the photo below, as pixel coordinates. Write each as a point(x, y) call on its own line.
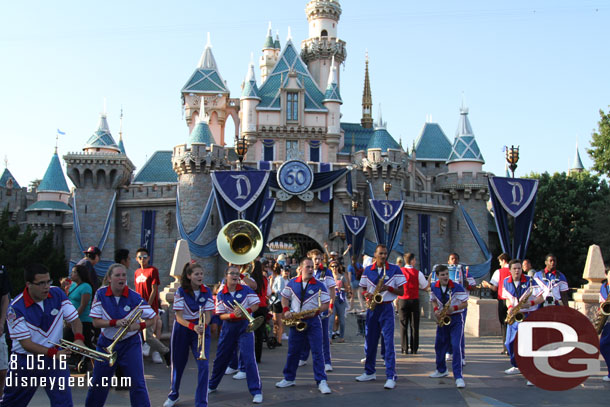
point(35, 320)
point(146, 281)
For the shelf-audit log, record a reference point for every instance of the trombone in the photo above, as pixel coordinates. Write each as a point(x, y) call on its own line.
point(132, 317)
point(201, 336)
point(83, 350)
point(253, 323)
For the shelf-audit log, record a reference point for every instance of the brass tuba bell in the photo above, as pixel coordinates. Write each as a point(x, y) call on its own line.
point(239, 242)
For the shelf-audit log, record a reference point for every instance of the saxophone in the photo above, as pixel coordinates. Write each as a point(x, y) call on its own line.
point(377, 297)
point(296, 319)
point(515, 314)
point(602, 315)
point(444, 318)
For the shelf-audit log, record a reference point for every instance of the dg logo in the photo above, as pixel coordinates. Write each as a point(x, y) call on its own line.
point(557, 348)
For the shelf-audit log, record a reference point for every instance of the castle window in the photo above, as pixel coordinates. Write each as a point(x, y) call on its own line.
point(292, 106)
point(324, 33)
point(292, 148)
point(423, 165)
point(437, 165)
point(268, 150)
point(314, 151)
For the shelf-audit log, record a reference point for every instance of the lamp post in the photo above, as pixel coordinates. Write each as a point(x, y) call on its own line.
point(354, 207)
point(512, 156)
point(387, 187)
point(241, 149)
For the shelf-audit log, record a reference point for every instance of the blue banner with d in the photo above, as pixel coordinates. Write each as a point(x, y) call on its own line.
point(355, 227)
point(240, 194)
point(424, 243)
point(387, 217)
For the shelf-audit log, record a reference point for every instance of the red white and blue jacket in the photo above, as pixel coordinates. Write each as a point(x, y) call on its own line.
point(393, 278)
point(189, 303)
point(440, 296)
point(304, 296)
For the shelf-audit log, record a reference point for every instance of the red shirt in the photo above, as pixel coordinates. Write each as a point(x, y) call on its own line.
point(263, 295)
point(504, 272)
point(412, 286)
point(144, 280)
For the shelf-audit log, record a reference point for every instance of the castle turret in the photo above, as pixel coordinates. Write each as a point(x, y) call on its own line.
point(465, 154)
point(101, 140)
point(249, 101)
point(121, 145)
point(332, 101)
point(367, 98)
point(207, 84)
point(323, 43)
point(270, 54)
point(577, 166)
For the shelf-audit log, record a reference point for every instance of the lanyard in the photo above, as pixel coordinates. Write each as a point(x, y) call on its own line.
point(303, 290)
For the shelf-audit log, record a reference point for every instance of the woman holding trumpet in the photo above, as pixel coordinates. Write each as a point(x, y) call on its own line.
point(236, 332)
point(193, 305)
point(114, 310)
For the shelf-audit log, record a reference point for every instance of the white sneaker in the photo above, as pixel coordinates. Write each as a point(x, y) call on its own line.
point(438, 374)
point(529, 383)
point(231, 371)
point(284, 337)
point(239, 376)
point(170, 403)
point(285, 383)
point(323, 387)
point(210, 391)
point(459, 383)
point(366, 377)
point(258, 398)
point(606, 378)
point(328, 367)
point(363, 360)
point(145, 350)
point(156, 357)
point(389, 384)
point(302, 363)
point(512, 370)
point(448, 357)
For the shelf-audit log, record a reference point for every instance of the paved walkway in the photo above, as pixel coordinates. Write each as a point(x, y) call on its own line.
point(486, 384)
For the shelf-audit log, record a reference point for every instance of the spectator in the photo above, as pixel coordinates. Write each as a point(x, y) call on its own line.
point(354, 272)
point(340, 303)
point(92, 257)
point(4, 301)
point(263, 290)
point(80, 294)
point(279, 282)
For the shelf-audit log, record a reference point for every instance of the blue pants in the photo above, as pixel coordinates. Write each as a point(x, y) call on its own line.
point(450, 335)
point(380, 322)
point(184, 339)
point(312, 338)
point(463, 336)
point(16, 394)
point(129, 358)
point(232, 335)
point(325, 343)
point(604, 345)
point(338, 311)
point(511, 334)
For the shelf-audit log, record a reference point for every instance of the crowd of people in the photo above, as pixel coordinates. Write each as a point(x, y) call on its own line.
point(270, 302)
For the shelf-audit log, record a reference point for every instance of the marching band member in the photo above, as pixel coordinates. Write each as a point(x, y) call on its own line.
point(35, 318)
point(460, 276)
point(189, 298)
point(553, 282)
point(604, 340)
point(302, 294)
point(380, 320)
point(110, 311)
point(233, 333)
point(445, 294)
point(515, 286)
point(322, 274)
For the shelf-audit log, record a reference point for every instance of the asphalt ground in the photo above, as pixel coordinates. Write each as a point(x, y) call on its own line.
point(486, 383)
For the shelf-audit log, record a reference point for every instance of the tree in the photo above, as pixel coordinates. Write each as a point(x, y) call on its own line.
point(600, 151)
point(18, 249)
point(570, 216)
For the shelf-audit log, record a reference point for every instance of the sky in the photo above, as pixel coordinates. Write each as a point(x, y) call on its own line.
point(532, 73)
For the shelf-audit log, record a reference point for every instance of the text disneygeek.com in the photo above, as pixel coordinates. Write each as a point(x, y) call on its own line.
point(60, 383)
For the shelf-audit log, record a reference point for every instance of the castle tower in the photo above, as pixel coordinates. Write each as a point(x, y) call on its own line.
point(323, 43)
point(249, 101)
point(577, 166)
point(52, 195)
point(367, 98)
point(465, 154)
point(97, 173)
point(207, 84)
point(270, 54)
point(332, 101)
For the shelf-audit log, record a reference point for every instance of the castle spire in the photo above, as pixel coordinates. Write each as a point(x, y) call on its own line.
point(121, 145)
point(576, 163)
point(367, 98)
point(207, 60)
point(269, 44)
point(465, 147)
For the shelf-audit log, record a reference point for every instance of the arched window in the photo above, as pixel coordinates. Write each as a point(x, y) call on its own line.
point(324, 33)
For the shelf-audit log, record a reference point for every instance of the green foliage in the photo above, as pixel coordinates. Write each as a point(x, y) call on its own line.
point(571, 214)
point(600, 151)
point(18, 249)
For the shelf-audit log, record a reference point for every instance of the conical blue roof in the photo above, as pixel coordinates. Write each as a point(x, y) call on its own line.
point(6, 176)
point(383, 140)
point(276, 44)
point(206, 78)
point(201, 134)
point(102, 138)
point(432, 144)
point(332, 89)
point(53, 180)
point(577, 161)
point(465, 147)
point(122, 146)
point(250, 90)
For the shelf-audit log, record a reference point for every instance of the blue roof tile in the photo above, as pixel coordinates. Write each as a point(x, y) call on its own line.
point(49, 206)
point(102, 138)
point(359, 134)
point(201, 134)
point(6, 175)
point(54, 179)
point(465, 147)
point(158, 169)
point(382, 139)
point(432, 144)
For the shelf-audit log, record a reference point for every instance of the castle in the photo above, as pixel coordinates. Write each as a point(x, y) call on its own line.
point(293, 112)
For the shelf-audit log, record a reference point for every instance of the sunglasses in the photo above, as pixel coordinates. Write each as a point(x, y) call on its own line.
point(143, 256)
point(43, 283)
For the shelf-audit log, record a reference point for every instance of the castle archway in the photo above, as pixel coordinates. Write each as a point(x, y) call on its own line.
point(302, 243)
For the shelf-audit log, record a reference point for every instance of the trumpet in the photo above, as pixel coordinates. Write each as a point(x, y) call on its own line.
point(253, 323)
point(201, 336)
point(83, 350)
point(132, 317)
